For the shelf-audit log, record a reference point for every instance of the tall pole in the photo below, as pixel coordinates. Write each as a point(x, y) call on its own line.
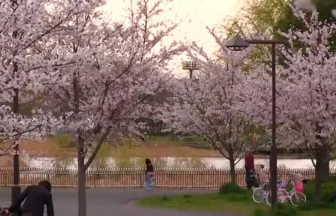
point(273, 159)
point(16, 190)
point(190, 73)
point(239, 44)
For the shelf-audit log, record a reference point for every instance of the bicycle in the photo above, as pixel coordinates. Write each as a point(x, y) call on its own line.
point(296, 196)
point(260, 195)
point(282, 195)
point(293, 195)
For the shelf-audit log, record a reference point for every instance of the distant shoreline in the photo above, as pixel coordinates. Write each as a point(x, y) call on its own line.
point(50, 148)
point(283, 157)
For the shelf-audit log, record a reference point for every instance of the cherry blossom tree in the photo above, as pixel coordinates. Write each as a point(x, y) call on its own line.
point(306, 92)
point(117, 68)
point(26, 66)
point(206, 105)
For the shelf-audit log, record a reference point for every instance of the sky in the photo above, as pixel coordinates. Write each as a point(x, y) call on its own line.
point(196, 15)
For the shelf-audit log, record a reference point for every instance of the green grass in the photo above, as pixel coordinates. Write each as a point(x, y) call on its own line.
point(172, 139)
point(235, 203)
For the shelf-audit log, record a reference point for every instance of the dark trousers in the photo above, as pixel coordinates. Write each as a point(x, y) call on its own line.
point(250, 179)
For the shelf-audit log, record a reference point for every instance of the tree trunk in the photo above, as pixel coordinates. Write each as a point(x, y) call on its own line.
point(81, 185)
point(321, 169)
point(326, 171)
point(326, 164)
point(232, 168)
point(318, 180)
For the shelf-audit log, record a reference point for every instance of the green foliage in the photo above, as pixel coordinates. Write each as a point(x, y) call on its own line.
point(282, 210)
point(101, 160)
point(63, 140)
point(231, 188)
point(163, 139)
point(165, 198)
point(278, 210)
point(256, 17)
point(240, 197)
point(329, 192)
point(233, 203)
point(289, 21)
point(258, 212)
point(104, 151)
point(124, 159)
point(271, 16)
point(187, 196)
point(328, 198)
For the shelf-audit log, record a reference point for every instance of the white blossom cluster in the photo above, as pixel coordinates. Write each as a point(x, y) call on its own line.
point(87, 74)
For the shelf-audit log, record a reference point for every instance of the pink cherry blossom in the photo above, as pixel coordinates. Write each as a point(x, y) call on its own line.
point(27, 65)
point(108, 75)
point(206, 104)
point(306, 92)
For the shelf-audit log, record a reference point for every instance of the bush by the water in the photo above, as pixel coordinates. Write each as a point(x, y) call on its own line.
point(230, 188)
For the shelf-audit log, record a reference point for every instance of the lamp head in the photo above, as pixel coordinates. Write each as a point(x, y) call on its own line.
point(237, 44)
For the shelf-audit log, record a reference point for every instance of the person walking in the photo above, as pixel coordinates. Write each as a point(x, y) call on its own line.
point(34, 197)
point(149, 175)
point(249, 170)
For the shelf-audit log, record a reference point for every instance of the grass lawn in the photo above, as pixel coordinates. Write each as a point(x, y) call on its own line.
point(235, 203)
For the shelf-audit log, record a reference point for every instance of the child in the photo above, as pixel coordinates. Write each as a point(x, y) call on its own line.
point(282, 193)
point(261, 175)
point(282, 184)
point(149, 174)
point(297, 181)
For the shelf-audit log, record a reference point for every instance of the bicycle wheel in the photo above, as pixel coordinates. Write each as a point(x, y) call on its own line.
point(268, 198)
point(283, 196)
point(297, 198)
point(257, 195)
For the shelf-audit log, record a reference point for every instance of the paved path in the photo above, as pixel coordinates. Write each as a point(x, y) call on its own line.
point(113, 202)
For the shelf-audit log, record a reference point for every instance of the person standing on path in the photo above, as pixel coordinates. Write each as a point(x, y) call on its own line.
point(34, 197)
point(149, 174)
point(249, 170)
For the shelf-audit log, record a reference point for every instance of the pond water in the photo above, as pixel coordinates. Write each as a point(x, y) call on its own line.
point(168, 162)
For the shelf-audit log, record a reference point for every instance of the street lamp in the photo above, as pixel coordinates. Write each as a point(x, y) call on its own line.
point(190, 66)
point(239, 44)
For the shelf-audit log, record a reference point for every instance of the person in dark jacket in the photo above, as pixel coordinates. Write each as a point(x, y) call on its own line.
point(249, 169)
point(149, 174)
point(35, 197)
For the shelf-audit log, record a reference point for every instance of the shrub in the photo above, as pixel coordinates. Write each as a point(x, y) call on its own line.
point(328, 191)
point(63, 140)
point(230, 188)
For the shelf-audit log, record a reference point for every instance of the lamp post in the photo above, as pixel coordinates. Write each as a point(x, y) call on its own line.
point(239, 44)
point(190, 66)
